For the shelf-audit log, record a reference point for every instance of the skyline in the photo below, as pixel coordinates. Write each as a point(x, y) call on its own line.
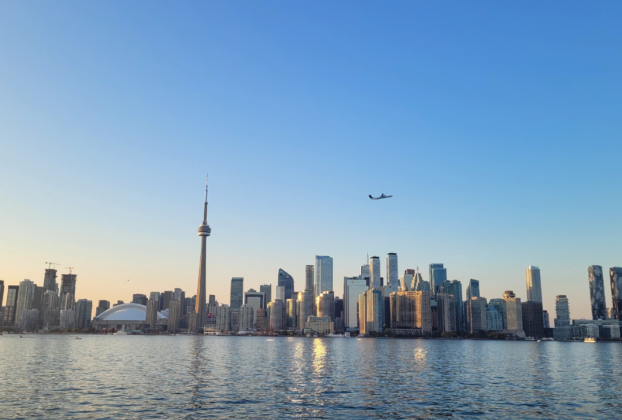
point(490, 126)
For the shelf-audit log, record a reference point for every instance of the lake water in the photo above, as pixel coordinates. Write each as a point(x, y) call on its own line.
point(55, 376)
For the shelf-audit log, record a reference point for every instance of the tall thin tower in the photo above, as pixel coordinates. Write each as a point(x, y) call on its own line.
point(204, 231)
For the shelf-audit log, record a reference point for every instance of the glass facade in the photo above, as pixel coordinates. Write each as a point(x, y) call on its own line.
point(597, 292)
point(287, 281)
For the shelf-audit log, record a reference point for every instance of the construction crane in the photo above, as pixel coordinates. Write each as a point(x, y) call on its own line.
point(70, 268)
point(50, 264)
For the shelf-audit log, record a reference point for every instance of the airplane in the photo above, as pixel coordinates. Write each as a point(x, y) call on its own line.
point(381, 197)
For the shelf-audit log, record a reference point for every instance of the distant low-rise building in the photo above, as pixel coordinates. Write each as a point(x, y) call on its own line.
point(320, 325)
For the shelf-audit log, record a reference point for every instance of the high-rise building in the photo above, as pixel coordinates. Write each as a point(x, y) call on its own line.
point(513, 319)
point(534, 286)
point(49, 280)
point(418, 284)
point(166, 298)
point(371, 311)
point(411, 310)
point(174, 315)
point(200, 308)
point(615, 274)
point(25, 297)
point(455, 288)
point(472, 289)
point(326, 305)
point(237, 293)
point(223, 318)
point(37, 303)
point(246, 318)
point(267, 290)
point(533, 319)
point(67, 319)
point(597, 292)
point(438, 275)
point(406, 280)
point(304, 306)
point(562, 311)
point(28, 319)
point(392, 268)
point(51, 310)
point(476, 314)
point(287, 281)
point(365, 275)
point(353, 287)
point(255, 299)
point(139, 298)
point(323, 274)
point(153, 305)
point(291, 321)
point(374, 273)
point(280, 293)
point(278, 315)
point(103, 306)
point(83, 312)
point(497, 305)
point(446, 311)
point(1, 292)
point(309, 278)
point(68, 290)
point(494, 319)
point(547, 322)
point(261, 322)
point(11, 305)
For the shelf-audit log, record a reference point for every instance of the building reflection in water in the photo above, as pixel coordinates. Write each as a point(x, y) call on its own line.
point(319, 356)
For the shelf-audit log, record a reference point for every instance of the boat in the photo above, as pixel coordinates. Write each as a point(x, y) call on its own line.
point(77, 338)
point(530, 339)
point(347, 335)
point(120, 332)
point(208, 332)
point(334, 335)
point(548, 339)
point(589, 340)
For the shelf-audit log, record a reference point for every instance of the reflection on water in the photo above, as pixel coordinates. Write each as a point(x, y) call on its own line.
point(241, 377)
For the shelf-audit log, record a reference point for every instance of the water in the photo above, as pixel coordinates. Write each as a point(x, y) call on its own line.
point(115, 377)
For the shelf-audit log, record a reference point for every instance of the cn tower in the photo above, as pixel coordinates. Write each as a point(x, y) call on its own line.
point(204, 231)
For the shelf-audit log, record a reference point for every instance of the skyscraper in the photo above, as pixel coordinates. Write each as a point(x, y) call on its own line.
point(446, 311)
point(139, 298)
point(323, 274)
point(371, 311)
point(280, 293)
point(326, 305)
point(287, 281)
point(278, 315)
point(411, 310)
point(267, 290)
point(353, 287)
point(51, 310)
point(374, 273)
point(174, 315)
point(365, 274)
point(68, 290)
point(438, 275)
point(223, 318)
point(153, 305)
point(304, 306)
point(472, 289)
point(104, 305)
point(494, 319)
point(1, 292)
point(497, 305)
point(83, 312)
point(615, 274)
point(455, 288)
point(597, 292)
point(25, 297)
point(476, 315)
point(406, 279)
point(513, 319)
point(562, 311)
point(534, 286)
point(11, 305)
point(309, 278)
point(49, 280)
point(533, 319)
point(392, 268)
point(255, 299)
point(419, 284)
point(237, 293)
point(204, 231)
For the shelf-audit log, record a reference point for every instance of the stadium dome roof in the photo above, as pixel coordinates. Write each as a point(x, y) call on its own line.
point(126, 312)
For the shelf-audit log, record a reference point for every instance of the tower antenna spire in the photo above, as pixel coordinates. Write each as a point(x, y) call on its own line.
point(205, 204)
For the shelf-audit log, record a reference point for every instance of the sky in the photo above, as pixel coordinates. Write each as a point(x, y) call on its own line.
point(494, 125)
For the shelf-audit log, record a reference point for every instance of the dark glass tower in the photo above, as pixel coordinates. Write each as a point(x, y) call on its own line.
point(287, 281)
point(615, 273)
point(597, 292)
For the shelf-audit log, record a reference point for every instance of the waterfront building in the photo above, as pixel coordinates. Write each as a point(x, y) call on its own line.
point(237, 293)
point(127, 316)
point(406, 280)
point(597, 292)
point(562, 333)
point(166, 298)
point(200, 307)
point(455, 288)
point(609, 332)
point(280, 293)
point(37, 303)
point(323, 274)
point(278, 315)
point(287, 281)
point(68, 290)
point(28, 320)
point(472, 289)
point(547, 322)
point(411, 310)
point(374, 273)
point(534, 286)
point(309, 277)
point(499, 306)
point(174, 315)
point(83, 311)
point(319, 324)
point(513, 319)
point(391, 268)
point(339, 315)
point(247, 316)
point(255, 299)
point(494, 319)
point(533, 319)
point(438, 275)
point(583, 331)
point(261, 323)
point(49, 280)
point(292, 319)
point(51, 310)
point(304, 307)
point(153, 304)
point(326, 305)
point(353, 287)
point(476, 314)
point(446, 311)
point(25, 297)
point(139, 298)
point(104, 305)
point(266, 289)
point(223, 317)
point(371, 311)
point(67, 319)
point(615, 274)
point(562, 311)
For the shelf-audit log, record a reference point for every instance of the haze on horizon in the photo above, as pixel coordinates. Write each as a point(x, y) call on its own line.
point(494, 126)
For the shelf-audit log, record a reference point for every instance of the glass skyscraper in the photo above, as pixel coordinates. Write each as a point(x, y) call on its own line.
point(455, 288)
point(615, 274)
point(597, 292)
point(472, 289)
point(534, 286)
point(562, 311)
point(237, 292)
point(287, 281)
point(374, 273)
point(323, 274)
point(438, 275)
point(392, 268)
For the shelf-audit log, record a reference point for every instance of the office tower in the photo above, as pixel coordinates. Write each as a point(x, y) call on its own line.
point(438, 275)
point(411, 310)
point(153, 305)
point(371, 311)
point(534, 286)
point(1, 292)
point(391, 268)
point(455, 288)
point(418, 284)
point(494, 319)
point(513, 319)
point(255, 299)
point(476, 314)
point(166, 297)
point(597, 292)
point(139, 298)
point(25, 297)
point(339, 306)
point(286, 281)
point(267, 290)
point(11, 305)
point(304, 306)
point(309, 277)
point(365, 275)
point(374, 273)
point(326, 305)
point(261, 323)
point(533, 319)
point(51, 310)
point(323, 274)
point(28, 319)
point(278, 315)
point(615, 274)
point(103, 306)
point(200, 308)
point(83, 310)
point(174, 315)
point(180, 295)
point(562, 311)
point(547, 322)
point(246, 318)
point(49, 280)
point(472, 289)
point(499, 306)
point(353, 287)
point(120, 302)
point(237, 293)
point(223, 318)
point(406, 280)
point(280, 293)
point(67, 319)
point(68, 290)
point(291, 321)
point(446, 311)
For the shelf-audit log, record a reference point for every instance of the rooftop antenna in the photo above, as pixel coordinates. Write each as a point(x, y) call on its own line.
point(205, 204)
point(367, 258)
point(70, 268)
point(50, 264)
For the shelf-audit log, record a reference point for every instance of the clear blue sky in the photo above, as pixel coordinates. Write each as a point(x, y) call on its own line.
point(495, 125)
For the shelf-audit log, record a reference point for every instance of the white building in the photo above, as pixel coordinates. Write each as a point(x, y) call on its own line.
point(24, 297)
point(534, 287)
point(352, 288)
